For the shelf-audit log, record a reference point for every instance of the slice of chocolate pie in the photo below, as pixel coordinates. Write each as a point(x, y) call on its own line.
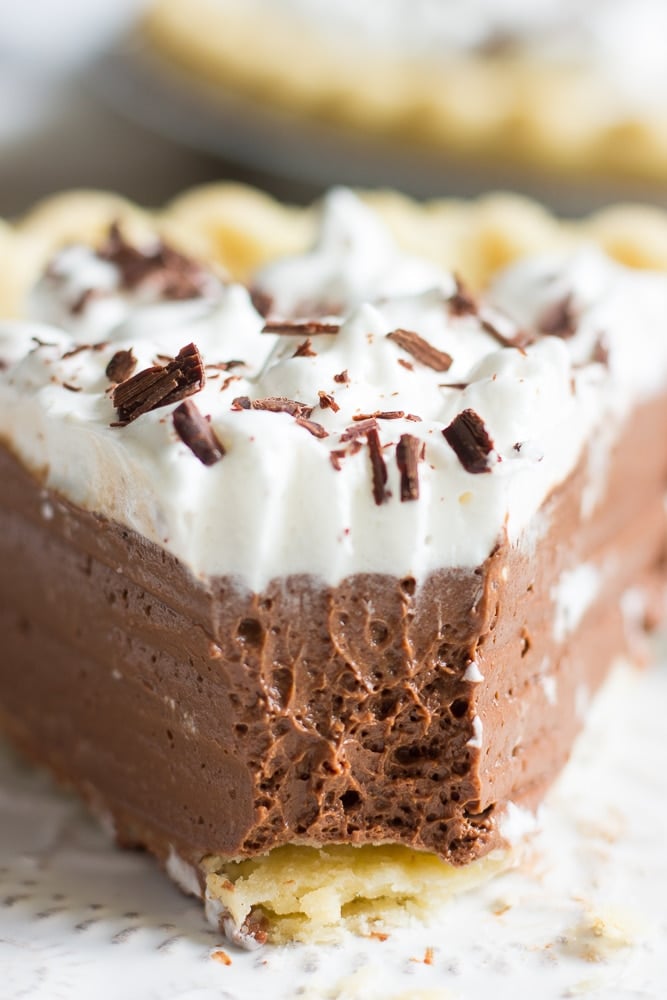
point(307, 588)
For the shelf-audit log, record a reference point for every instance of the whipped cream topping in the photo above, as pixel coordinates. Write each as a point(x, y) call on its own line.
point(622, 39)
point(278, 502)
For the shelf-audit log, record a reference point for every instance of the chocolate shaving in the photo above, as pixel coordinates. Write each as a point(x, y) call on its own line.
point(75, 350)
point(310, 425)
point(413, 416)
point(406, 364)
point(85, 347)
point(342, 377)
point(292, 328)
point(72, 388)
point(224, 366)
point(559, 319)
point(328, 402)
point(81, 303)
point(408, 452)
point(601, 350)
point(351, 433)
point(158, 386)
point(378, 467)
point(261, 301)
point(174, 275)
point(453, 385)
point(305, 350)
point(520, 340)
point(380, 415)
point(274, 404)
point(421, 350)
point(38, 342)
point(121, 366)
point(195, 431)
point(468, 437)
point(338, 454)
point(462, 302)
point(228, 381)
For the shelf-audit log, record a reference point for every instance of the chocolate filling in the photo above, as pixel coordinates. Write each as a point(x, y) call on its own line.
point(214, 720)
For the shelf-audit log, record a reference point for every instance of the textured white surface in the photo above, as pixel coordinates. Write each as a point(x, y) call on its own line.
point(585, 916)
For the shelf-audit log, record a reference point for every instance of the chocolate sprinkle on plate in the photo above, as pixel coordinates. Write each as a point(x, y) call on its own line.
point(159, 385)
point(408, 452)
point(469, 439)
point(421, 350)
point(292, 328)
point(520, 340)
point(121, 366)
point(378, 467)
point(195, 431)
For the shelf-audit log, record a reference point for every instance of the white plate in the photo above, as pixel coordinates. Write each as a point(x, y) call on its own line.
point(584, 916)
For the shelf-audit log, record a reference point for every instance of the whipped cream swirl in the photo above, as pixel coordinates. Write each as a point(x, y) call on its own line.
point(278, 502)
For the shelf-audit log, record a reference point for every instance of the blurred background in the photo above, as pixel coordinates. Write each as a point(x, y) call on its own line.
point(84, 104)
point(58, 128)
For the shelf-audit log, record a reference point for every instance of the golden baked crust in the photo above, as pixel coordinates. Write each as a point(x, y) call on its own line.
point(505, 107)
point(310, 894)
point(238, 228)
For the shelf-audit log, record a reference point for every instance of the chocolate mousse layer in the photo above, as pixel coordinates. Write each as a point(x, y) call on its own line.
point(210, 720)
